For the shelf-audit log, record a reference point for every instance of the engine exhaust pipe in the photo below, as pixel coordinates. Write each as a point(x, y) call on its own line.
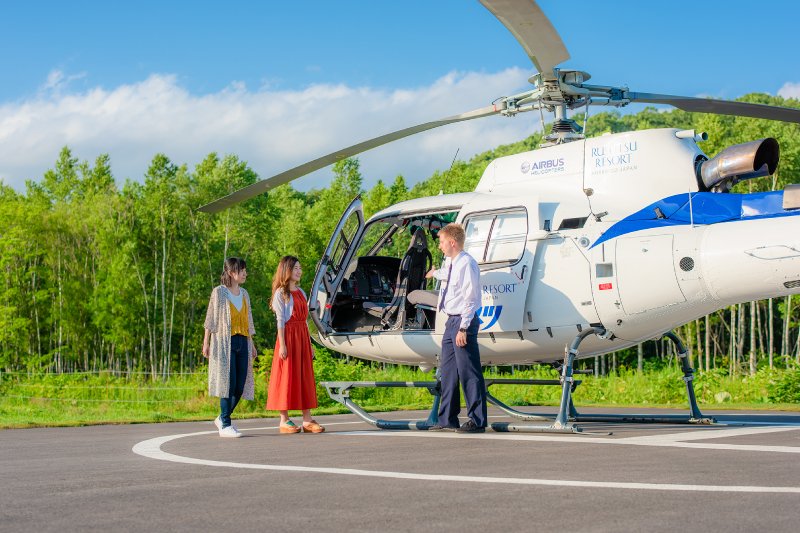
point(740, 162)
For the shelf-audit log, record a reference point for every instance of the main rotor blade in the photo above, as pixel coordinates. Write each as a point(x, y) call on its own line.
point(534, 31)
point(306, 168)
point(719, 107)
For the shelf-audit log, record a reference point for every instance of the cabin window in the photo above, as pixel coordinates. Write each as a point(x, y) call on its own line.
point(477, 234)
point(496, 237)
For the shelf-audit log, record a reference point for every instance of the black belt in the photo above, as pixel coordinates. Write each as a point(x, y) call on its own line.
point(453, 316)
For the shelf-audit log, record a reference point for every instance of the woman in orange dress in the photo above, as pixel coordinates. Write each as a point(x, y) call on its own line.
point(292, 386)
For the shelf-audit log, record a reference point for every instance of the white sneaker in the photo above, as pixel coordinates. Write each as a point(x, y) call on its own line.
point(218, 423)
point(229, 432)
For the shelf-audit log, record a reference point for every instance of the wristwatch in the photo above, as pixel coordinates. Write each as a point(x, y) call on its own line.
point(462, 330)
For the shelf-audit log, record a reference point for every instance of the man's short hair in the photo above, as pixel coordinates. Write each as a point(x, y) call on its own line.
point(454, 231)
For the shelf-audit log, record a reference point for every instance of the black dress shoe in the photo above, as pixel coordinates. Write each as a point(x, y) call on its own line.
point(470, 427)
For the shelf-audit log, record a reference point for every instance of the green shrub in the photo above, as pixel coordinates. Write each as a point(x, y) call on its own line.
point(786, 387)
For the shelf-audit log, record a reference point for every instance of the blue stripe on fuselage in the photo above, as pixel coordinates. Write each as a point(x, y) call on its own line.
point(706, 208)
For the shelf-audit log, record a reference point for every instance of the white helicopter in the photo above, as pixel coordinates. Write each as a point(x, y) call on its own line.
point(597, 243)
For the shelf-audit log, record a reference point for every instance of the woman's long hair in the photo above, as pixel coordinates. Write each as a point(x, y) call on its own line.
point(283, 275)
point(231, 265)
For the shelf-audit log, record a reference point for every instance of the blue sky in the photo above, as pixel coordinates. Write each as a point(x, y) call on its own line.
point(278, 83)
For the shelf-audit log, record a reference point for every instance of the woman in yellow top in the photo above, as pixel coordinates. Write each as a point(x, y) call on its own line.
point(228, 344)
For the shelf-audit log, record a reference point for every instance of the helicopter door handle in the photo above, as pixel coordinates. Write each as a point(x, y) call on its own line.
point(522, 275)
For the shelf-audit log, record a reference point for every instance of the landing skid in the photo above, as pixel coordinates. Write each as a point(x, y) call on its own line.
point(565, 418)
point(340, 391)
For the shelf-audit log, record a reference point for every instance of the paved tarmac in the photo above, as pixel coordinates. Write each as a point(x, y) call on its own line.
point(739, 475)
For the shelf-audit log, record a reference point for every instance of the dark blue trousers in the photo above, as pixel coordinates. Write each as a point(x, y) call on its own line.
point(461, 364)
point(238, 375)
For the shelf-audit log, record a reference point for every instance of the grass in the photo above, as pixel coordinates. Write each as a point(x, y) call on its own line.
point(104, 398)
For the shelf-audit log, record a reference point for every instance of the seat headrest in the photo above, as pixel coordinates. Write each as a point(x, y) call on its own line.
point(419, 240)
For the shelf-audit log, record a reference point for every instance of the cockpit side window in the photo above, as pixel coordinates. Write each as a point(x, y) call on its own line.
point(344, 239)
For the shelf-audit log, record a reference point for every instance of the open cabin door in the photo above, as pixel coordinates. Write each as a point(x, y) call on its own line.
point(497, 230)
point(331, 268)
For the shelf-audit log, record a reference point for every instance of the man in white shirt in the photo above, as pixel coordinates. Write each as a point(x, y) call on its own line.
point(460, 360)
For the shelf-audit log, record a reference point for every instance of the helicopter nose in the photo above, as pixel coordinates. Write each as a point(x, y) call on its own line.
point(752, 260)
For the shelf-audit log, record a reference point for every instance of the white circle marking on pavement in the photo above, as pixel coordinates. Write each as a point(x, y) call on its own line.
point(151, 448)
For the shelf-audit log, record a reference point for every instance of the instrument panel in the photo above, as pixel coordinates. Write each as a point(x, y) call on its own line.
point(373, 279)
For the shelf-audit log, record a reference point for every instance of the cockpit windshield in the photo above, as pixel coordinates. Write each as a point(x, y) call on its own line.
point(392, 236)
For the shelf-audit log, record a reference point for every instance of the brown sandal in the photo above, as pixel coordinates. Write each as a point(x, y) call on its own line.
point(289, 427)
point(312, 427)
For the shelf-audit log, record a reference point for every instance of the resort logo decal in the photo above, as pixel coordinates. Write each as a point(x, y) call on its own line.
point(488, 315)
point(613, 157)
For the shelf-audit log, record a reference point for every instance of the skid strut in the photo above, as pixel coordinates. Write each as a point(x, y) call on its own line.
point(562, 423)
point(567, 413)
point(695, 416)
point(340, 391)
point(521, 414)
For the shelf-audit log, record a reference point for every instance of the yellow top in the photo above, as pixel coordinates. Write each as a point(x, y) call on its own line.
point(239, 324)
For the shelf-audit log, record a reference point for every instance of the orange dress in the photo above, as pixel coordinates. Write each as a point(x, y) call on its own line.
point(292, 386)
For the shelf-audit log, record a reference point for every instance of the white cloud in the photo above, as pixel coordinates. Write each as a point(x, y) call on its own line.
point(272, 130)
point(790, 90)
point(57, 81)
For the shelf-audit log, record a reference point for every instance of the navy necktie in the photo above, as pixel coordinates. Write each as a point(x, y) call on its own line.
point(444, 293)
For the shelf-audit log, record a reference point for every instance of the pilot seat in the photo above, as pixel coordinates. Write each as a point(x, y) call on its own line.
point(416, 262)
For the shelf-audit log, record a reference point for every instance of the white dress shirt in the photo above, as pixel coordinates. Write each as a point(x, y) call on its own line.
point(464, 288)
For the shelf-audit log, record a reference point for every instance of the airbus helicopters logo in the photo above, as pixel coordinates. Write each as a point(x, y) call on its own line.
point(488, 315)
point(545, 166)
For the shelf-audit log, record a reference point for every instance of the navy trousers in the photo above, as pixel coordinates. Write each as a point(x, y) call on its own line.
point(238, 375)
point(461, 364)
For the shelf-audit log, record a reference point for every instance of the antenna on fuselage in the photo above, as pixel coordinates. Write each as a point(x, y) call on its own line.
point(447, 175)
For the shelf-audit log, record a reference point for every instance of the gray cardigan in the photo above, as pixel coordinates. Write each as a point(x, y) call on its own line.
point(218, 323)
point(283, 309)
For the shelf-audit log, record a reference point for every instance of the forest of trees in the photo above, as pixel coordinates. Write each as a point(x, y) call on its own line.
point(98, 275)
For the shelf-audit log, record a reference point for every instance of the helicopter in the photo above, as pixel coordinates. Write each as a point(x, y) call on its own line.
point(586, 246)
